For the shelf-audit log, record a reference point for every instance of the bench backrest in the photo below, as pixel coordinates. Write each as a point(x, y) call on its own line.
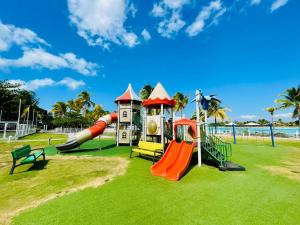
point(21, 152)
point(152, 146)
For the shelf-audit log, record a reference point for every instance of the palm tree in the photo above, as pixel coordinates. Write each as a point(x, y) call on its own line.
point(146, 91)
point(291, 99)
point(271, 110)
point(97, 112)
point(75, 105)
point(181, 101)
point(202, 116)
point(59, 108)
point(85, 98)
point(215, 110)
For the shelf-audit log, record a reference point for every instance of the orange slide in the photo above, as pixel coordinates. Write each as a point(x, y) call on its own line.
point(175, 161)
point(172, 152)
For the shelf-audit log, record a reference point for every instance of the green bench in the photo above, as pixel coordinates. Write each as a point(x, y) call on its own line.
point(26, 155)
point(151, 149)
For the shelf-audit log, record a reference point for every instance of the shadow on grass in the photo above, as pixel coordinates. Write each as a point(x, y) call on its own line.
point(108, 147)
point(39, 165)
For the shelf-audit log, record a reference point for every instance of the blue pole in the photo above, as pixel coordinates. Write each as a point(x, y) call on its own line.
point(234, 138)
point(272, 135)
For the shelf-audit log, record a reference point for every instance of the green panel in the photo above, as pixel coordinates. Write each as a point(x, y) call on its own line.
point(31, 158)
point(21, 152)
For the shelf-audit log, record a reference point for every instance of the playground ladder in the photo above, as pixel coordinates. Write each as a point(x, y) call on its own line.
point(216, 148)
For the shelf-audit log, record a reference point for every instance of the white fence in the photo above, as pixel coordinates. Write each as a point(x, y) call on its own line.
point(11, 129)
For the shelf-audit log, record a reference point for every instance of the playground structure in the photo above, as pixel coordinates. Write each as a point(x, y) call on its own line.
point(128, 124)
point(160, 132)
point(158, 116)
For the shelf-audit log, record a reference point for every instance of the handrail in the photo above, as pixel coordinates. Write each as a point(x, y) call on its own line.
point(216, 147)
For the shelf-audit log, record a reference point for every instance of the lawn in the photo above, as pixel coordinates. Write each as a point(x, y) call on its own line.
point(267, 193)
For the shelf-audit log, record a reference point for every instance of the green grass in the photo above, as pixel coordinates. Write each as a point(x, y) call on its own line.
point(44, 136)
point(56, 176)
point(203, 196)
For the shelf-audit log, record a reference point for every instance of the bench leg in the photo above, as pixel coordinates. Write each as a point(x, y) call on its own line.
point(12, 169)
point(44, 157)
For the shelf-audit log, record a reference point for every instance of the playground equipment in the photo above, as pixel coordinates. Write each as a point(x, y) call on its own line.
point(158, 129)
point(126, 117)
point(158, 116)
point(90, 133)
point(177, 157)
point(128, 123)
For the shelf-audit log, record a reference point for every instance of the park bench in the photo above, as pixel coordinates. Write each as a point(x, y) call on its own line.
point(26, 155)
point(151, 149)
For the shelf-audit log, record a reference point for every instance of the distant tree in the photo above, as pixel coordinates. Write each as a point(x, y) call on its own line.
point(10, 96)
point(291, 99)
point(85, 98)
point(181, 102)
point(262, 121)
point(59, 109)
point(146, 91)
point(75, 105)
point(96, 113)
point(271, 110)
point(218, 112)
point(202, 117)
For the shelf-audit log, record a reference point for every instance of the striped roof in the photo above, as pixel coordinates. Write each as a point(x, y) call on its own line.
point(128, 95)
point(159, 96)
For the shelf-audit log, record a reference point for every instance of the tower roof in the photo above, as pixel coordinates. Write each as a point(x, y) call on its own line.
point(128, 95)
point(159, 96)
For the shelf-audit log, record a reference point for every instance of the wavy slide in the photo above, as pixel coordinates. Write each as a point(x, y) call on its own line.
point(89, 133)
point(175, 161)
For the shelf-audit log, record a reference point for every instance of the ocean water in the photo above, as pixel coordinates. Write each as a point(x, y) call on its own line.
point(257, 131)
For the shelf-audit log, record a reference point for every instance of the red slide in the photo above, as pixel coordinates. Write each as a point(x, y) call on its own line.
point(177, 169)
point(170, 156)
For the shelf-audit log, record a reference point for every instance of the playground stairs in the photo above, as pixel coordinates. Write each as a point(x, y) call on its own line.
point(219, 151)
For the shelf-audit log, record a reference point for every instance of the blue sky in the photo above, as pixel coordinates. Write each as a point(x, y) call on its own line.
point(246, 52)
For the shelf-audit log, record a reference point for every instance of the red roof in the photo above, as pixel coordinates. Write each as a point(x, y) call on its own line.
point(128, 95)
point(158, 101)
point(159, 96)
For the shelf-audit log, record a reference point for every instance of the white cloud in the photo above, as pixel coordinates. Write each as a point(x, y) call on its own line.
point(169, 27)
point(277, 4)
point(146, 35)
point(283, 115)
point(171, 18)
point(23, 37)
point(38, 58)
point(158, 10)
point(48, 82)
point(102, 22)
point(214, 10)
point(71, 83)
point(255, 2)
point(35, 56)
point(248, 117)
point(175, 4)
point(132, 9)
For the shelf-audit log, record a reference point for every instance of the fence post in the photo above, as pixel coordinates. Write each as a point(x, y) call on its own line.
point(234, 137)
point(272, 135)
point(4, 133)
